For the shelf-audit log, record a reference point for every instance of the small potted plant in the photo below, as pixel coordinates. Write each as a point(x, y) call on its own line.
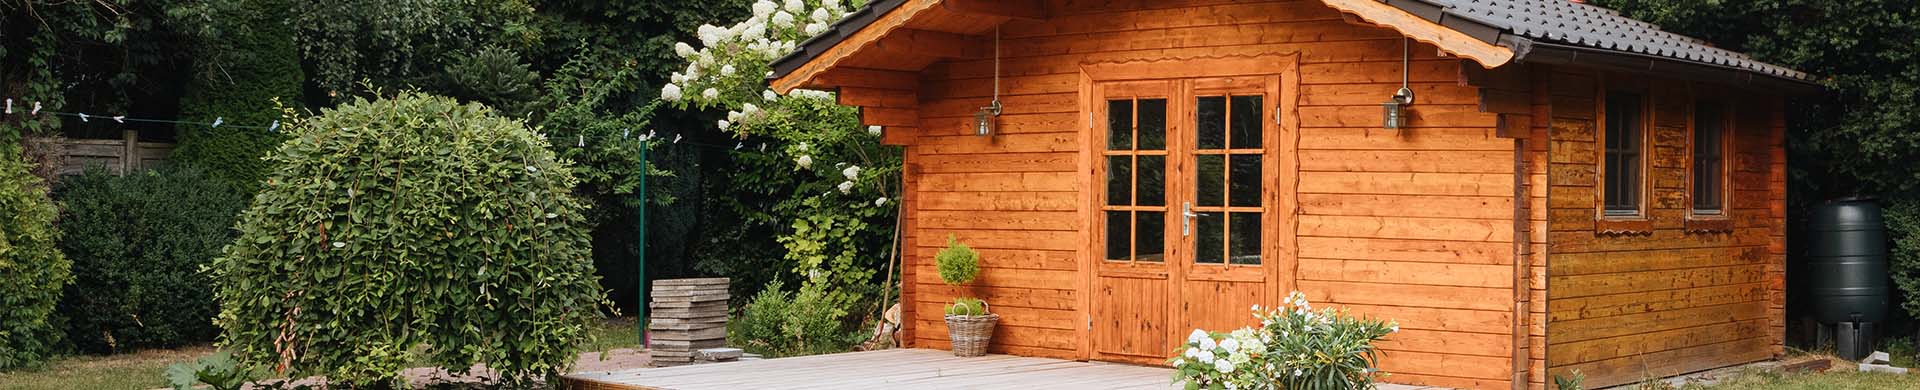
point(969, 325)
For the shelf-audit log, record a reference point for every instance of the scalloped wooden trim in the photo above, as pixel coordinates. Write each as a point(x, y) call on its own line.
point(1622, 227)
point(1449, 40)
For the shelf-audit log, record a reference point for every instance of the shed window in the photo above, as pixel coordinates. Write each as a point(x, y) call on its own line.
point(1709, 161)
point(1624, 150)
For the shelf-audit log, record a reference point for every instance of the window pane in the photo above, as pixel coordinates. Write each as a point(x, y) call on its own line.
point(1246, 122)
point(1119, 180)
point(1708, 136)
point(1119, 235)
point(1211, 114)
point(1152, 189)
point(1623, 139)
point(1119, 124)
point(1151, 241)
point(1209, 230)
point(1245, 191)
point(1244, 241)
point(1211, 181)
point(1153, 124)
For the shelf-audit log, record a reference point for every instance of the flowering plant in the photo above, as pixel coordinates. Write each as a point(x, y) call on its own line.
point(1295, 347)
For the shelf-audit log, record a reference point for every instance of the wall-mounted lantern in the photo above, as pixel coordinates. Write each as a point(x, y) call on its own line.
point(983, 119)
point(1395, 108)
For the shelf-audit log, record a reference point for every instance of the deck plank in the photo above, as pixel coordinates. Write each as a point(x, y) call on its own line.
point(895, 368)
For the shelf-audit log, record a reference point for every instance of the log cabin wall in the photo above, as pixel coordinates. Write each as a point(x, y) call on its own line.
point(1414, 225)
point(1668, 295)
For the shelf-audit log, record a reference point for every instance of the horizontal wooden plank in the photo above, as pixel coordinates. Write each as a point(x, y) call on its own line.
point(1434, 341)
point(1423, 206)
point(1009, 316)
point(998, 297)
point(1000, 220)
point(1437, 138)
point(1627, 282)
point(1010, 258)
point(1417, 116)
point(998, 181)
point(1007, 124)
point(1395, 272)
point(1408, 228)
point(1000, 239)
point(997, 162)
point(1443, 319)
point(1500, 162)
point(1433, 251)
point(1010, 335)
point(1445, 297)
point(1586, 263)
point(1600, 306)
point(1445, 364)
point(1406, 183)
point(1361, 94)
point(1563, 332)
point(999, 201)
point(1002, 143)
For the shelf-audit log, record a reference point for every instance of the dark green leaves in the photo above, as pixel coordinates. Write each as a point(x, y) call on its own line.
point(389, 210)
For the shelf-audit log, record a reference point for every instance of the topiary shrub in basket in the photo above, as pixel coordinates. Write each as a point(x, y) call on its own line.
point(969, 324)
point(413, 227)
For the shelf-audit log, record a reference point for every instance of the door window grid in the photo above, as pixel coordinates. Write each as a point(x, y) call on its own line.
point(1135, 209)
point(1228, 158)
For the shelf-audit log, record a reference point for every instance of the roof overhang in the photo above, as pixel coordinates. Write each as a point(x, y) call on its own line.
point(1427, 22)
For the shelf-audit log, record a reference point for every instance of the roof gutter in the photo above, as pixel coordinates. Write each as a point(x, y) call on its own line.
point(1558, 54)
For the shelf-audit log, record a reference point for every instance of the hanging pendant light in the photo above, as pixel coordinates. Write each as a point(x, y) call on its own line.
point(983, 120)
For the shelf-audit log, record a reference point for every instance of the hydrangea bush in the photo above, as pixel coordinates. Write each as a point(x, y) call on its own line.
point(838, 218)
point(1295, 347)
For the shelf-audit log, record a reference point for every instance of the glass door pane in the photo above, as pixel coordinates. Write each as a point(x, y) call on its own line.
point(1228, 154)
point(1136, 172)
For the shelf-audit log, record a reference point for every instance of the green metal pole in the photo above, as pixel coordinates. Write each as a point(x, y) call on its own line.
point(640, 246)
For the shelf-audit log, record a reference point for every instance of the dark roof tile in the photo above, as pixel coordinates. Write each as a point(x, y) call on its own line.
point(1565, 22)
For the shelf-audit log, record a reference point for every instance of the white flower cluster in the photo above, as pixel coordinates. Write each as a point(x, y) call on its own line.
point(772, 31)
point(1282, 353)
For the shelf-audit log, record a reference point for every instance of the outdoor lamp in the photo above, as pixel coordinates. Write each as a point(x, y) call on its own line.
point(983, 119)
point(1394, 108)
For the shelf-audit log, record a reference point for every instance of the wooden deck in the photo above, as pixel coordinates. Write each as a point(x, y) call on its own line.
point(888, 369)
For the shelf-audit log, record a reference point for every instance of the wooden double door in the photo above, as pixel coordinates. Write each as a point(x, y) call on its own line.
point(1188, 184)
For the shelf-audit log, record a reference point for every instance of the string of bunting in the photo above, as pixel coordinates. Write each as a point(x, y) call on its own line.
point(580, 140)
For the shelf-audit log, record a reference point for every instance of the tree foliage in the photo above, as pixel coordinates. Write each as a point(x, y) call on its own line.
point(408, 222)
point(32, 271)
point(246, 70)
point(137, 244)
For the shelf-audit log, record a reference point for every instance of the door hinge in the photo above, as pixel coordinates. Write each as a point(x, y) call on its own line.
point(1276, 117)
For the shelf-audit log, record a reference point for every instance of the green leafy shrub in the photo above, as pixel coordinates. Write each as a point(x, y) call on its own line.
point(967, 307)
point(1573, 381)
point(414, 222)
point(783, 323)
point(1294, 348)
point(246, 66)
point(32, 271)
point(958, 263)
point(137, 244)
point(219, 371)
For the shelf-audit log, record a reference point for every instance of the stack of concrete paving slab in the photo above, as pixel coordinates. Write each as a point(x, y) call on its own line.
point(689, 315)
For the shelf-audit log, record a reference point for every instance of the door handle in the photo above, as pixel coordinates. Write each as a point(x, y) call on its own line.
point(1186, 218)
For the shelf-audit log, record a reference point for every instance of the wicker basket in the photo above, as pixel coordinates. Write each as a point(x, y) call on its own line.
point(971, 334)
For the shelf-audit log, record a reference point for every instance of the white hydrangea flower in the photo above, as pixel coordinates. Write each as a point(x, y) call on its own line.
point(710, 93)
point(726, 70)
point(831, 4)
point(796, 6)
point(820, 15)
point(724, 124)
point(782, 19)
point(755, 29)
point(710, 35)
point(880, 202)
point(677, 78)
point(748, 110)
point(733, 116)
point(851, 173)
point(768, 95)
point(1207, 343)
point(873, 130)
point(683, 49)
point(1230, 345)
point(846, 187)
point(764, 8)
point(815, 28)
point(1205, 356)
point(1196, 336)
point(670, 92)
point(1223, 366)
point(804, 161)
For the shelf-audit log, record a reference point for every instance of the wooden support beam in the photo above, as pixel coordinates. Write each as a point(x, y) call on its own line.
point(899, 135)
point(936, 44)
point(872, 97)
point(1447, 39)
point(866, 78)
point(1013, 9)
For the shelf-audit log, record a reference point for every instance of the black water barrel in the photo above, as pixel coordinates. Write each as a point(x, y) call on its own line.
point(1847, 262)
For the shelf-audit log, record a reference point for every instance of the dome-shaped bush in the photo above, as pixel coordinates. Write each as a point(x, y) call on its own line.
point(31, 268)
point(404, 222)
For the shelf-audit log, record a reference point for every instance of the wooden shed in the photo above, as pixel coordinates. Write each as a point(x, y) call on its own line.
point(1568, 189)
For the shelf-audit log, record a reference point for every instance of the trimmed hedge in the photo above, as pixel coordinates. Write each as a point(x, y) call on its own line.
point(248, 59)
point(137, 244)
point(410, 222)
point(31, 269)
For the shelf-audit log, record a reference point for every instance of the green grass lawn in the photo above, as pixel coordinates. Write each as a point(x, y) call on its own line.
point(140, 370)
point(145, 369)
point(1837, 379)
